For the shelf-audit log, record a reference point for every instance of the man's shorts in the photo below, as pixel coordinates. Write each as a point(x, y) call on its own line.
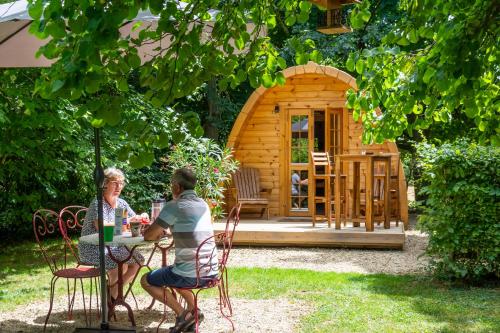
point(164, 277)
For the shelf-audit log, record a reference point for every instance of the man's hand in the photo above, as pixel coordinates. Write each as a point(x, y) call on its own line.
point(154, 232)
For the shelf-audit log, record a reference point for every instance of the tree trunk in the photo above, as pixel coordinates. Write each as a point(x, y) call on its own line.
point(211, 130)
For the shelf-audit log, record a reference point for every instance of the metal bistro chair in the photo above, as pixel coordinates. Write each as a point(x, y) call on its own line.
point(45, 225)
point(71, 222)
point(224, 243)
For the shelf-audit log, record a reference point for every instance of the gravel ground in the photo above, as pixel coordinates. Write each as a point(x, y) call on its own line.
point(250, 315)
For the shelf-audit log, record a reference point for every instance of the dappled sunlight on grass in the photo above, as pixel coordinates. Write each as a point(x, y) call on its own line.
point(340, 302)
point(375, 303)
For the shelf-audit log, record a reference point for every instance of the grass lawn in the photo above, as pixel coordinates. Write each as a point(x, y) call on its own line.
point(340, 302)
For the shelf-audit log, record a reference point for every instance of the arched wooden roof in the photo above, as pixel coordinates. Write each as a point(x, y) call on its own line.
point(309, 68)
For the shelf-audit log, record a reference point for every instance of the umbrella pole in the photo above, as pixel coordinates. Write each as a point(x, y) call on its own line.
point(99, 182)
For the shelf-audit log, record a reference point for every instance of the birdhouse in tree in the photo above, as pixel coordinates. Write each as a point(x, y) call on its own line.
point(333, 20)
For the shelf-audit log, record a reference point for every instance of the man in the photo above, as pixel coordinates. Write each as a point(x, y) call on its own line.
point(188, 218)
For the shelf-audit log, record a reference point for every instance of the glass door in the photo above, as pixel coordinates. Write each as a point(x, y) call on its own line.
point(300, 143)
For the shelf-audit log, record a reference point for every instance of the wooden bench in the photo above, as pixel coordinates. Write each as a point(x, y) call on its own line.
point(247, 189)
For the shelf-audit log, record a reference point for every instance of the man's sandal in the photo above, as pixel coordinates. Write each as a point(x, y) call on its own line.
point(192, 328)
point(183, 325)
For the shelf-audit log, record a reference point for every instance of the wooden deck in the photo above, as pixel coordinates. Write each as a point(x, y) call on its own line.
point(282, 232)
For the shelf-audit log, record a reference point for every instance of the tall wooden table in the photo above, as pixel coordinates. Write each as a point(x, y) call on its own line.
point(369, 161)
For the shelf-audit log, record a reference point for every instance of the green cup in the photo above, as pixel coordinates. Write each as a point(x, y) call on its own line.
point(109, 229)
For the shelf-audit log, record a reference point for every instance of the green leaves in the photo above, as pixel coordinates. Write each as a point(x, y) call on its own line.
point(56, 85)
point(429, 73)
point(360, 65)
point(290, 20)
point(267, 80)
point(271, 21)
point(56, 28)
point(35, 9)
point(460, 212)
point(360, 15)
point(443, 70)
point(301, 58)
point(351, 62)
point(93, 51)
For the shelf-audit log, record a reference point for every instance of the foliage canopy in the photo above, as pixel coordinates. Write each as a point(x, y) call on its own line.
point(192, 42)
point(439, 58)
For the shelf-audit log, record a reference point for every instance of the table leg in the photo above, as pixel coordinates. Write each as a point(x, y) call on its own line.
point(120, 300)
point(369, 195)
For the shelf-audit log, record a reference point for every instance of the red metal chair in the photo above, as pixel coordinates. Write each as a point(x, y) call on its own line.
point(45, 227)
point(71, 223)
point(224, 243)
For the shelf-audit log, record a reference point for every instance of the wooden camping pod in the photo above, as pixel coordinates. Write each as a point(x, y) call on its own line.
point(275, 121)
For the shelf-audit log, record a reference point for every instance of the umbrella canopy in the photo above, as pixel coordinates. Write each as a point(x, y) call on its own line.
point(18, 47)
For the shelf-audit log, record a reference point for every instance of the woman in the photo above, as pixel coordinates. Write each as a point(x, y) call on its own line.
point(114, 181)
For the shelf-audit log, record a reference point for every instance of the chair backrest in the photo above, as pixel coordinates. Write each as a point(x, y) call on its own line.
point(71, 222)
point(246, 180)
point(233, 219)
point(206, 262)
point(46, 229)
point(216, 259)
point(321, 163)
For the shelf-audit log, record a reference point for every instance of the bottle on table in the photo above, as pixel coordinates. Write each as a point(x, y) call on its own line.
point(125, 225)
point(118, 221)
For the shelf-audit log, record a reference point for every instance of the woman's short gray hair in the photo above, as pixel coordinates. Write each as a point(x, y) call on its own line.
point(185, 178)
point(113, 173)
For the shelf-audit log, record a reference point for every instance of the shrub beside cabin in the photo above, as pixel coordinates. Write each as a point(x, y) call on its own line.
point(278, 128)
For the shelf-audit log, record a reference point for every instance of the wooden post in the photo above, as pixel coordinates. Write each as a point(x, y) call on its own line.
point(387, 190)
point(337, 192)
point(369, 195)
point(356, 192)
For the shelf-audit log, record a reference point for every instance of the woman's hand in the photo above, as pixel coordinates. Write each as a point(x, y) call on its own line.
point(135, 218)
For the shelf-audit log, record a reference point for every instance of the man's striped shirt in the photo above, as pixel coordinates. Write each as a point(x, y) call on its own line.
point(189, 220)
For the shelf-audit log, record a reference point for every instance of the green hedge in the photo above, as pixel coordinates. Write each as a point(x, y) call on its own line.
point(461, 210)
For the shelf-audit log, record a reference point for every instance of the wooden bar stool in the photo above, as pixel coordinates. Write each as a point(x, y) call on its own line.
point(321, 187)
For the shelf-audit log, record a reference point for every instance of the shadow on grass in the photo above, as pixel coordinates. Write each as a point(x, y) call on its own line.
point(452, 308)
point(146, 321)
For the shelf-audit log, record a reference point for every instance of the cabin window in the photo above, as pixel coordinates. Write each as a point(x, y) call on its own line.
point(300, 139)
